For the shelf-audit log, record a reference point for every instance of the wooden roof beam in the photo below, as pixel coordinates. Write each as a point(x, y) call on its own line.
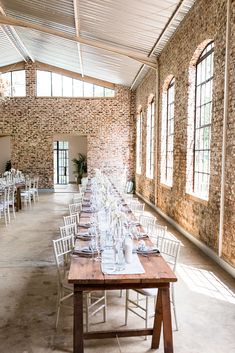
point(77, 26)
point(151, 62)
point(15, 40)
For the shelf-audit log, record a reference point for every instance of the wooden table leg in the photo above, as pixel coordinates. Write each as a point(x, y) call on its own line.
point(157, 325)
point(18, 199)
point(78, 322)
point(163, 316)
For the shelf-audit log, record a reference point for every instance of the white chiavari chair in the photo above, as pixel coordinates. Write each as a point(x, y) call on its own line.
point(94, 303)
point(170, 251)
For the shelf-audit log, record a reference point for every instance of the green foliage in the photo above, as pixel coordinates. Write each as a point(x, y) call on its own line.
point(8, 166)
point(80, 165)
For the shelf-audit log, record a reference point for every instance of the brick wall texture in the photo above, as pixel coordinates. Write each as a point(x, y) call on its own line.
point(33, 121)
point(206, 21)
point(109, 125)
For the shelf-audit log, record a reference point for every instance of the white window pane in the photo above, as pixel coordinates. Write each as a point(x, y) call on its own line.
point(18, 83)
point(88, 89)
point(43, 83)
point(199, 73)
point(98, 91)
point(109, 92)
point(67, 86)
point(78, 88)
point(6, 83)
point(56, 85)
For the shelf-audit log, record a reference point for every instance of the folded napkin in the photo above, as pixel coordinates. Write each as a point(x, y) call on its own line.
point(83, 236)
point(87, 210)
point(146, 250)
point(142, 235)
point(85, 251)
point(84, 225)
point(86, 204)
point(86, 199)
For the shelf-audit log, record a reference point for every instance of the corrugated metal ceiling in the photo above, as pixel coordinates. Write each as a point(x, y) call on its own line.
point(133, 24)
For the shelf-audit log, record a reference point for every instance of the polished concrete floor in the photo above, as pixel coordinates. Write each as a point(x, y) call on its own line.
point(28, 289)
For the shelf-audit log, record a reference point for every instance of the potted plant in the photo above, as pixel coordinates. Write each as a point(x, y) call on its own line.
point(81, 166)
point(8, 166)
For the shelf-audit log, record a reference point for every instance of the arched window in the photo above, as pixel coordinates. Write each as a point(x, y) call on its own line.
point(139, 124)
point(150, 139)
point(167, 132)
point(199, 138)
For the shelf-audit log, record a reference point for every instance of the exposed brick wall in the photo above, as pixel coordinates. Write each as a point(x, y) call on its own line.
point(206, 20)
point(228, 249)
point(147, 88)
point(32, 121)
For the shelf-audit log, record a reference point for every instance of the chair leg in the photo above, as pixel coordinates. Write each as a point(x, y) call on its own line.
point(126, 307)
point(58, 308)
point(146, 314)
point(13, 210)
point(8, 214)
point(105, 307)
point(5, 216)
point(174, 307)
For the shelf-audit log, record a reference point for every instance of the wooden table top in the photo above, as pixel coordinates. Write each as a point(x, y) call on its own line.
point(85, 271)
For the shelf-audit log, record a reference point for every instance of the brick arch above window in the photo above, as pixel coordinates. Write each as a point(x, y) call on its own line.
point(167, 82)
point(151, 98)
point(139, 109)
point(197, 53)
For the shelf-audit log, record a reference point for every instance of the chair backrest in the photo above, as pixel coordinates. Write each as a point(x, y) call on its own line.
point(137, 206)
point(62, 247)
point(70, 229)
point(34, 182)
point(71, 219)
point(159, 230)
point(147, 222)
point(28, 183)
point(82, 188)
point(169, 250)
point(11, 196)
point(4, 196)
point(78, 197)
point(75, 208)
point(84, 181)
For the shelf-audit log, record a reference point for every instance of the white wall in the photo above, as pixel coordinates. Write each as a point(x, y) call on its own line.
point(5, 151)
point(77, 144)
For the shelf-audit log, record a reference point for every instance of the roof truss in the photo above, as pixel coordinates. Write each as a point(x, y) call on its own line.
point(151, 62)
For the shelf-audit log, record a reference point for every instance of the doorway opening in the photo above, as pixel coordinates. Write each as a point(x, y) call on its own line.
point(66, 147)
point(61, 162)
point(5, 152)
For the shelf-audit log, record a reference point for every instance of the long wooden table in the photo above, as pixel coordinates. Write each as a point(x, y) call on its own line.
point(86, 275)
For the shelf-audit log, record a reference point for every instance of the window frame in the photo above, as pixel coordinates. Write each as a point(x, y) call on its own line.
point(139, 140)
point(150, 139)
point(107, 92)
point(11, 88)
point(204, 192)
point(165, 135)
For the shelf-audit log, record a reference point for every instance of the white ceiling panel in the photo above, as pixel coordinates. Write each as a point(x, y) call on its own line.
point(109, 67)
point(8, 54)
point(137, 25)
